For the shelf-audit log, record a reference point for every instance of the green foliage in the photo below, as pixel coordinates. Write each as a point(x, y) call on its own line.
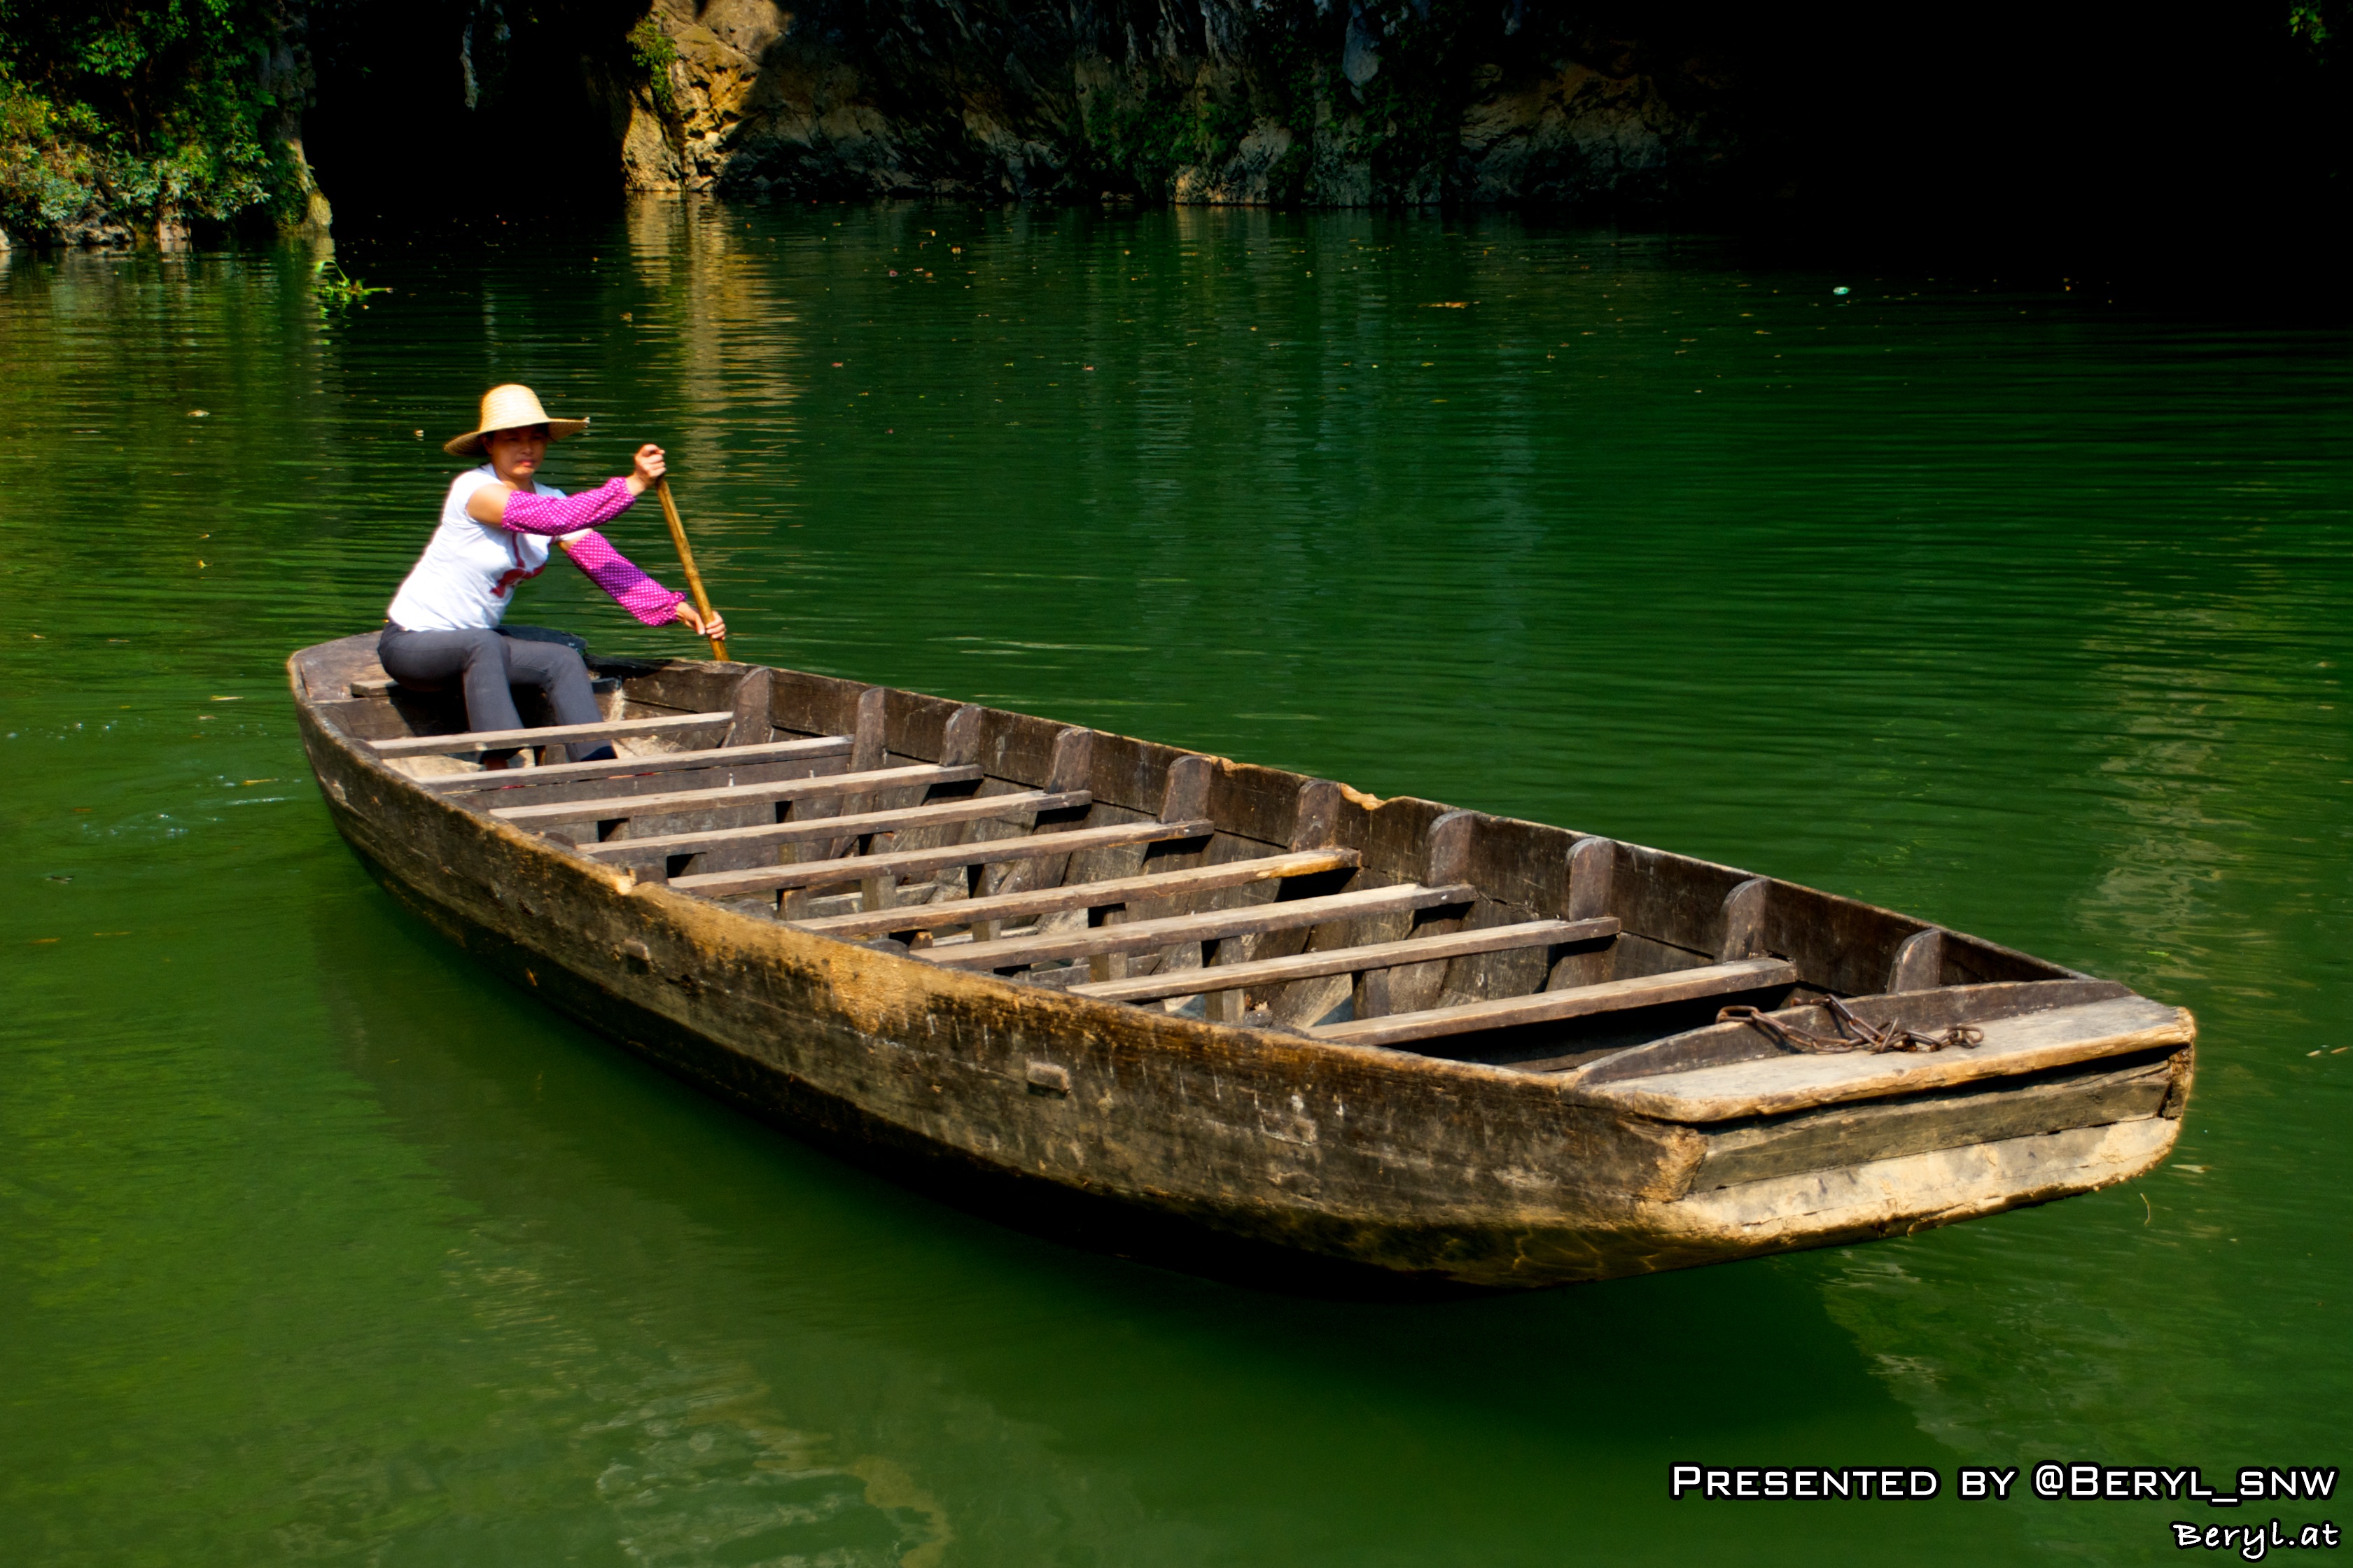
point(2315, 24)
point(1135, 139)
point(1142, 137)
point(1290, 44)
point(143, 110)
point(655, 53)
point(337, 290)
point(1286, 178)
point(1218, 128)
point(1413, 107)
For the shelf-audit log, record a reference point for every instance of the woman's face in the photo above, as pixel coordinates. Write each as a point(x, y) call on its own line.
point(516, 454)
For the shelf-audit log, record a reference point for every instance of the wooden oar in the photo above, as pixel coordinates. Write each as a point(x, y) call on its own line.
point(686, 560)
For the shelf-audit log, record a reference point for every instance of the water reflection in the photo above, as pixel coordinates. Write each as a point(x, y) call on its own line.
point(708, 1338)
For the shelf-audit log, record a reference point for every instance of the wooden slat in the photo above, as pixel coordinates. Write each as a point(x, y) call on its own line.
point(1070, 766)
point(1837, 1136)
point(1446, 860)
point(602, 808)
point(928, 862)
point(1592, 868)
point(2030, 1043)
point(1552, 1006)
point(1211, 925)
point(1352, 960)
point(630, 767)
point(548, 735)
point(867, 748)
point(1082, 894)
point(980, 808)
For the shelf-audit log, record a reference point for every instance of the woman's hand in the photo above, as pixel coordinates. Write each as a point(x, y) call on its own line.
point(716, 626)
point(651, 466)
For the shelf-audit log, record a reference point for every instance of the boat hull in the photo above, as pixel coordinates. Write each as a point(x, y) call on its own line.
point(1141, 1131)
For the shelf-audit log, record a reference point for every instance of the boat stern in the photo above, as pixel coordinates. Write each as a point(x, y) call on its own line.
point(1798, 1151)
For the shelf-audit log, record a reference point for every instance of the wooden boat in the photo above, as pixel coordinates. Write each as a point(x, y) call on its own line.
point(1196, 1002)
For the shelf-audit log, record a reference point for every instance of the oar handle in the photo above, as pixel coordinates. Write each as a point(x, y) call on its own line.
point(686, 560)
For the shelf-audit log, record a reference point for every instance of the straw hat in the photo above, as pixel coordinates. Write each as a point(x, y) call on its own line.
point(510, 407)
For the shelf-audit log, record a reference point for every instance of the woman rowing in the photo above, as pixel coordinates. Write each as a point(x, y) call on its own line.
point(496, 523)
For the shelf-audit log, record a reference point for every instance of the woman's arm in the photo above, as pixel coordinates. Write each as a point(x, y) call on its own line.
point(556, 515)
point(652, 604)
point(524, 513)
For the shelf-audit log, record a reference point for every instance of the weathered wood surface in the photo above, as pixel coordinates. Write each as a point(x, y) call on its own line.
point(1880, 1130)
point(869, 747)
point(1383, 1159)
point(1926, 1012)
point(1212, 925)
point(1919, 964)
point(1353, 960)
point(906, 863)
point(1553, 1006)
point(836, 829)
point(633, 767)
point(1744, 922)
point(2029, 1043)
point(670, 802)
point(1150, 887)
point(751, 726)
point(1899, 1195)
point(548, 734)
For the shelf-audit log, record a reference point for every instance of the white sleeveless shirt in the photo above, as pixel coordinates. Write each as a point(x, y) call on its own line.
point(465, 580)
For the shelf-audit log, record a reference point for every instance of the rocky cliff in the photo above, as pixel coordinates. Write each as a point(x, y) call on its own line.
point(2019, 133)
point(1291, 102)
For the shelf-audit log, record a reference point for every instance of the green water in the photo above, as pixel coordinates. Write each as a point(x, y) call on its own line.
point(2024, 613)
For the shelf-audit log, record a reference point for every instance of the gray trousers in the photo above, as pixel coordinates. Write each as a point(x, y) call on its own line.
point(486, 663)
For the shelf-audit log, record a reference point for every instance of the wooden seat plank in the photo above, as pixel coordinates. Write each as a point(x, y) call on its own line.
point(929, 862)
point(1574, 1001)
point(1211, 925)
point(630, 767)
point(1082, 894)
point(603, 809)
point(1351, 959)
point(547, 735)
point(2030, 1042)
point(980, 808)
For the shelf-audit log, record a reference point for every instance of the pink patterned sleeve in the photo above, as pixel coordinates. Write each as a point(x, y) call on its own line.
point(652, 604)
point(566, 514)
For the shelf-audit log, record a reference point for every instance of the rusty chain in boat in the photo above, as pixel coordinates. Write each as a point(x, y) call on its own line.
point(1853, 1033)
